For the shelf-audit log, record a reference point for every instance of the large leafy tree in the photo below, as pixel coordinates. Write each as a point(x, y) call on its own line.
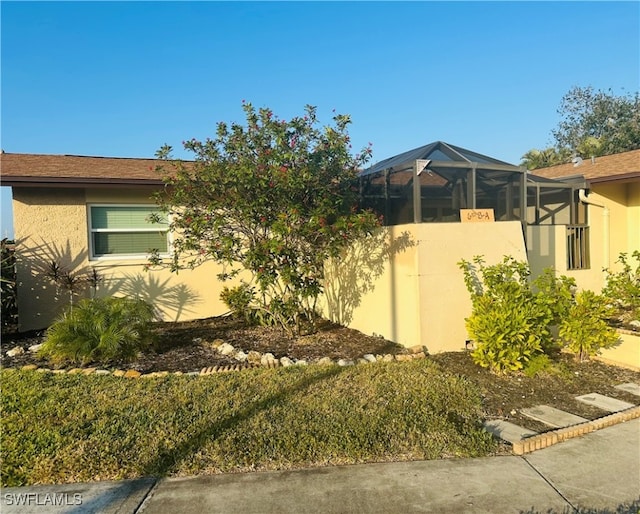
point(273, 197)
point(592, 123)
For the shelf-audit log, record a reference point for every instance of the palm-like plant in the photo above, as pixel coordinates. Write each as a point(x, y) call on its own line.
point(100, 330)
point(8, 283)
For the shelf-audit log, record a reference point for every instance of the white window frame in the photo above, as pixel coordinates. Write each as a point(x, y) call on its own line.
point(122, 256)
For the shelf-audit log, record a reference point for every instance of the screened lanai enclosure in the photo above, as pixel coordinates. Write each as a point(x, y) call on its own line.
point(433, 182)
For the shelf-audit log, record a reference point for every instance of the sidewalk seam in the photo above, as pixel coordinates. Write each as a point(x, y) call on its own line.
point(146, 497)
point(574, 509)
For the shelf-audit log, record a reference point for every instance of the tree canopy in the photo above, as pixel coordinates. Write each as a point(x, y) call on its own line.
point(272, 197)
point(592, 123)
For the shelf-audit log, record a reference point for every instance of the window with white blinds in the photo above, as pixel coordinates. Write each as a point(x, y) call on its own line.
point(125, 231)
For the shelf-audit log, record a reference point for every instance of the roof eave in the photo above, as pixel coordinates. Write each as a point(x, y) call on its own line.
point(622, 178)
point(32, 182)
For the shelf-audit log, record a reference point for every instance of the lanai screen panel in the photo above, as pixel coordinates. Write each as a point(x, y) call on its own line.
point(440, 179)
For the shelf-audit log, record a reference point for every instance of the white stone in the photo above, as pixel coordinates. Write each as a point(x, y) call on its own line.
point(254, 357)
point(286, 361)
point(197, 340)
point(226, 349)
point(301, 362)
point(635, 323)
point(35, 347)
point(103, 372)
point(267, 359)
point(18, 350)
point(369, 357)
point(345, 362)
point(240, 356)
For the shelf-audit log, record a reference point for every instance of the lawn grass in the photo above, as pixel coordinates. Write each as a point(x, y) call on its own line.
point(69, 428)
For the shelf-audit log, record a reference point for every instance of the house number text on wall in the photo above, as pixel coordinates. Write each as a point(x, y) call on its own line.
point(476, 215)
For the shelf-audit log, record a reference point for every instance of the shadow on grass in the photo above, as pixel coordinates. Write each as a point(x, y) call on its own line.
point(168, 461)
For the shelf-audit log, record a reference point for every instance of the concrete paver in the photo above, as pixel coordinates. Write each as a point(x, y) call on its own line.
point(553, 417)
point(507, 431)
point(630, 388)
point(604, 402)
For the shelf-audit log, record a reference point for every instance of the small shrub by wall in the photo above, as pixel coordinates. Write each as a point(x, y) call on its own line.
point(100, 330)
point(512, 317)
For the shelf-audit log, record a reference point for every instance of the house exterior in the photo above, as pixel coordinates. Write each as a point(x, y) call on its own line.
point(89, 213)
point(584, 247)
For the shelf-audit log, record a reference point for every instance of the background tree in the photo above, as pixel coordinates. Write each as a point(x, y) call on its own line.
point(273, 197)
point(543, 158)
point(592, 123)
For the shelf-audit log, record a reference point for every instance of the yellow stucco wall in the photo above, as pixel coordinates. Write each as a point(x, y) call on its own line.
point(633, 216)
point(615, 197)
point(51, 225)
point(418, 296)
point(444, 299)
point(626, 353)
point(373, 286)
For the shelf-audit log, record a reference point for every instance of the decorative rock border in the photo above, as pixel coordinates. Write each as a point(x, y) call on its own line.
point(550, 438)
point(245, 360)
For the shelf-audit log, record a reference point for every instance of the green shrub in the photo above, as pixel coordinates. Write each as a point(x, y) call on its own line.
point(100, 330)
point(507, 323)
point(554, 294)
point(239, 300)
point(585, 330)
point(623, 287)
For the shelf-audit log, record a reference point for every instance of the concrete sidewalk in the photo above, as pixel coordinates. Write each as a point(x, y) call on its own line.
point(597, 473)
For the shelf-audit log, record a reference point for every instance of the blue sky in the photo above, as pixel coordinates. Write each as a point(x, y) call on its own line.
point(123, 78)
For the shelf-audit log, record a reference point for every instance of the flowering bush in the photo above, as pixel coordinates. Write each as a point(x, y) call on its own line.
point(273, 197)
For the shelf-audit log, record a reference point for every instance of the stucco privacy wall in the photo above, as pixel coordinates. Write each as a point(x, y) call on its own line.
point(418, 295)
point(633, 216)
point(51, 225)
point(626, 353)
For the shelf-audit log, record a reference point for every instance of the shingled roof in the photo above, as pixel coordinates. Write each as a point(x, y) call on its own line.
point(33, 170)
point(616, 167)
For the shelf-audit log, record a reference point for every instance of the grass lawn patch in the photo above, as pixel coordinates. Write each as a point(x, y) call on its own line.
point(70, 428)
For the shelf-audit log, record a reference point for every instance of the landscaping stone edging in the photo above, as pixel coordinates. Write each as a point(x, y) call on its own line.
point(246, 360)
point(546, 439)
